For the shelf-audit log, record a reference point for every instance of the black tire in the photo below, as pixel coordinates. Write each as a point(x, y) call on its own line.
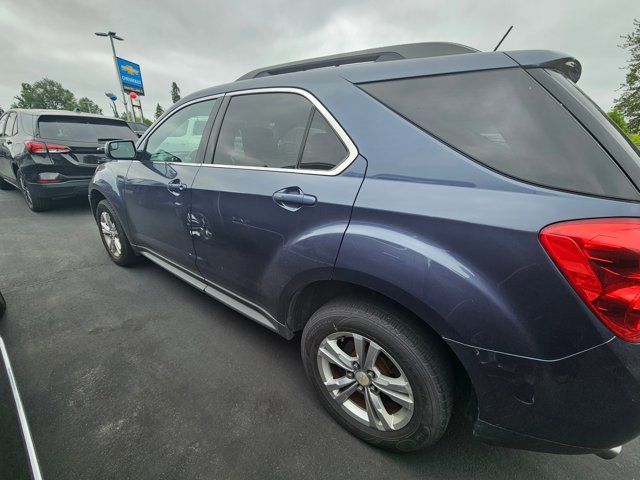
point(3, 305)
point(126, 256)
point(4, 185)
point(34, 203)
point(424, 360)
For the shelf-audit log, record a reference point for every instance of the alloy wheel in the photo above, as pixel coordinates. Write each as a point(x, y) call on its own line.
point(110, 234)
point(365, 380)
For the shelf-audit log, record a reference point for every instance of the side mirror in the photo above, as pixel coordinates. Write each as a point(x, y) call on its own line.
point(121, 150)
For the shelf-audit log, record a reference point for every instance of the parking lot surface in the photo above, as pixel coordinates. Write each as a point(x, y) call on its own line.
point(130, 373)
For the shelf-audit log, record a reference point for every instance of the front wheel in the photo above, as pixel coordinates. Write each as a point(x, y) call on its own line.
point(113, 237)
point(381, 377)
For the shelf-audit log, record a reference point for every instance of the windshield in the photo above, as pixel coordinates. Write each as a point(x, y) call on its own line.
point(88, 130)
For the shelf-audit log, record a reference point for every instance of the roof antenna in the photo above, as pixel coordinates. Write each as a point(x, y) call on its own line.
point(502, 39)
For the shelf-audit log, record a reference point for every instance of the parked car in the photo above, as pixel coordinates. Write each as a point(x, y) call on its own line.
point(18, 458)
point(429, 216)
point(138, 128)
point(52, 154)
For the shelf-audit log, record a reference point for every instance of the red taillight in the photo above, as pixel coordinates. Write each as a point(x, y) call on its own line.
point(41, 148)
point(36, 147)
point(53, 148)
point(601, 260)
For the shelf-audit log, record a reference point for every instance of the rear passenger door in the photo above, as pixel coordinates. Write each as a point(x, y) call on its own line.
point(273, 199)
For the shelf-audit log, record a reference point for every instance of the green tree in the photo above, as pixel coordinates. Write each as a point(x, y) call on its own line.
point(159, 111)
point(175, 92)
point(629, 102)
point(619, 120)
point(45, 93)
point(89, 106)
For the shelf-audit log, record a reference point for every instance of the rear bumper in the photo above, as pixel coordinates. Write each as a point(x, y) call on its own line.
point(584, 403)
point(64, 189)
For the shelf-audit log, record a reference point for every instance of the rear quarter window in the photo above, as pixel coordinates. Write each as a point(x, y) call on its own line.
point(83, 129)
point(26, 124)
point(10, 127)
point(507, 121)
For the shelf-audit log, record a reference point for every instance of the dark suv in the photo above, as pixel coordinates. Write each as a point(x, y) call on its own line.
point(52, 154)
point(430, 217)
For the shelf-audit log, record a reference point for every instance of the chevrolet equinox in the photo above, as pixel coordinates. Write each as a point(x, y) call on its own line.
point(431, 218)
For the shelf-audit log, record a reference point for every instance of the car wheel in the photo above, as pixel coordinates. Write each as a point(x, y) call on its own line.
point(381, 377)
point(34, 203)
point(4, 185)
point(114, 239)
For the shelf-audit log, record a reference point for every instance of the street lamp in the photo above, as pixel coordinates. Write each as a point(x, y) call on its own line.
point(113, 99)
point(111, 36)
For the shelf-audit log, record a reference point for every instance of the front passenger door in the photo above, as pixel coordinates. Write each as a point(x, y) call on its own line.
point(158, 187)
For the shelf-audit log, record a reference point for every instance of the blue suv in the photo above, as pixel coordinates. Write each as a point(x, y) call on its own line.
point(433, 219)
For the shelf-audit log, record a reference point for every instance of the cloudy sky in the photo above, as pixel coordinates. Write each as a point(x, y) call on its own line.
point(204, 43)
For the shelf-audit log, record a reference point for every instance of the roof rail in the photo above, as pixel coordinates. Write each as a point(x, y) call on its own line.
point(380, 54)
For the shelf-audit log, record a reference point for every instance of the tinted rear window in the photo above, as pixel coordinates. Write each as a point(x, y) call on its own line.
point(506, 120)
point(78, 129)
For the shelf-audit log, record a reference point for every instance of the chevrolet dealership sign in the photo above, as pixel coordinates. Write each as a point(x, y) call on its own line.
point(131, 76)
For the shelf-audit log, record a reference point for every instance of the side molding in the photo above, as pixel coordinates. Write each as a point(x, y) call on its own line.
point(220, 294)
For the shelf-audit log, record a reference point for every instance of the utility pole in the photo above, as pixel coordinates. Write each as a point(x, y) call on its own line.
point(111, 36)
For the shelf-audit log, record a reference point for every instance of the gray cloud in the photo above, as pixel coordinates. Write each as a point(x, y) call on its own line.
point(200, 44)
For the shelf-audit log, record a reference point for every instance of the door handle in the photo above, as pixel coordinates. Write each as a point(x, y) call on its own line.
point(293, 198)
point(176, 186)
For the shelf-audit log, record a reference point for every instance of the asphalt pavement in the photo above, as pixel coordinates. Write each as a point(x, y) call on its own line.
point(129, 373)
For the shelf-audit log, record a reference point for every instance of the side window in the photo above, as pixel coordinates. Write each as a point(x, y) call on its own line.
point(10, 126)
point(3, 122)
point(26, 124)
point(15, 124)
point(506, 120)
point(178, 138)
point(323, 149)
point(263, 130)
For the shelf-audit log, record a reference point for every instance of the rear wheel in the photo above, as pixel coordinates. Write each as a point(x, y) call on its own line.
point(34, 203)
point(384, 380)
point(4, 185)
point(114, 239)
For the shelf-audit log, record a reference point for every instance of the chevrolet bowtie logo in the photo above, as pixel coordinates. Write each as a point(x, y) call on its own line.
point(129, 69)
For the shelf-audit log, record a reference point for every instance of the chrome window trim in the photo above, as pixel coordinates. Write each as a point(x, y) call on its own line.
point(342, 134)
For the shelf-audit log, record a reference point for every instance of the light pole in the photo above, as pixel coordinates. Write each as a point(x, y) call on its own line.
point(113, 99)
point(111, 36)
